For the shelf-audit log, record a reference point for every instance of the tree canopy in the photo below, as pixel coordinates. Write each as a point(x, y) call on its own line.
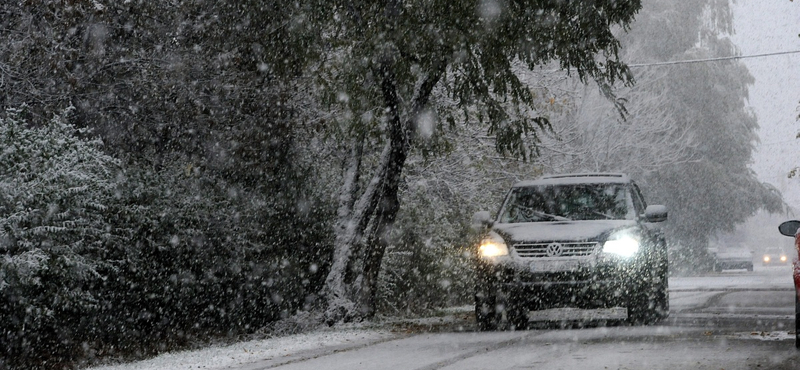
point(385, 60)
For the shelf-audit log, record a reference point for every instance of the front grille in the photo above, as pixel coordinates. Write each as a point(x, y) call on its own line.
point(537, 250)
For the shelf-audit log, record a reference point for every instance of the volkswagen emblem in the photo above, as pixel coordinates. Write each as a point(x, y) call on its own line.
point(554, 249)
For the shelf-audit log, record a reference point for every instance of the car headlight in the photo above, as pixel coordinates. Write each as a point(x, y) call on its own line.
point(623, 243)
point(766, 258)
point(783, 258)
point(493, 246)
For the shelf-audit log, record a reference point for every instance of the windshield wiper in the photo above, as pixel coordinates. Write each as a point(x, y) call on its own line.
point(546, 216)
point(605, 216)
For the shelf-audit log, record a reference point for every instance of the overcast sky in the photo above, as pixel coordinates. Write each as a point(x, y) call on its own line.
point(768, 26)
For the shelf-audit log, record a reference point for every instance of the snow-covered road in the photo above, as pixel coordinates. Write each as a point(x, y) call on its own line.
point(731, 320)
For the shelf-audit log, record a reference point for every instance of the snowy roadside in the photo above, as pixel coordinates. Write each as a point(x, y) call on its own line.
point(265, 353)
point(278, 350)
point(765, 278)
point(687, 293)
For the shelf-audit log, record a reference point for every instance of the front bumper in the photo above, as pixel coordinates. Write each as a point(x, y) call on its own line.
point(592, 285)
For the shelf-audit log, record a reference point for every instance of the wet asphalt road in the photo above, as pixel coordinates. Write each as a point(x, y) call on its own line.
point(729, 320)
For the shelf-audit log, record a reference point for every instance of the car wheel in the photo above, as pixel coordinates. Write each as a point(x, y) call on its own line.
point(650, 302)
point(516, 317)
point(498, 310)
point(649, 307)
point(485, 313)
point(642, 309)
point(485, 303)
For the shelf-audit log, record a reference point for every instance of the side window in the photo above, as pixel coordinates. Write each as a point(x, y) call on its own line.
point(638, 200)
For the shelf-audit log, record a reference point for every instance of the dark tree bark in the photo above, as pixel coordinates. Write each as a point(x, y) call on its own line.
point(372, 218)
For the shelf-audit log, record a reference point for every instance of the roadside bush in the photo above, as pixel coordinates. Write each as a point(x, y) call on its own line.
point(428, 266)
point(206, 259)
point(99, 260)
point(55, 185)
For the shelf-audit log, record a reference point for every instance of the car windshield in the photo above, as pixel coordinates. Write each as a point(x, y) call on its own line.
point(544, 203)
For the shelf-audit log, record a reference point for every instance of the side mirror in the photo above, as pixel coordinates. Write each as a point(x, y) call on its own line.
point(789, 228)
point(655, 213)
point(481, 220)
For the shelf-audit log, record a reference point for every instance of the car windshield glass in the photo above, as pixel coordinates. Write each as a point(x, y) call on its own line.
point(567, 202)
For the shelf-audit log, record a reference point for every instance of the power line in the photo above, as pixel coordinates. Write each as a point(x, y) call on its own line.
point(779, 142)
point(712, 59)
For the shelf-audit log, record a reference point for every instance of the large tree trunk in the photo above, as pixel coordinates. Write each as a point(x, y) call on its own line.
point(388, 201)
point(351, 285)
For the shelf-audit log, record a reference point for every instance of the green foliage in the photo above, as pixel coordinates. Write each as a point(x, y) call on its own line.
point(156, 79)
point(479, 47)
point(222, 222)
point(418, 277)
point(218, 223)
point(190, 257)
point(55, 187)
point(205, 259)
point(428, 265)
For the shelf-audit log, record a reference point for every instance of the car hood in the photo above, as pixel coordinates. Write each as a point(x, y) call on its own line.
point(559, 230)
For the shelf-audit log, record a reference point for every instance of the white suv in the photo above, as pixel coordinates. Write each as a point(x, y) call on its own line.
point(579, 240)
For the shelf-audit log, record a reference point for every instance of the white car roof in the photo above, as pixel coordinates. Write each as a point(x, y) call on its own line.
point(576, 178)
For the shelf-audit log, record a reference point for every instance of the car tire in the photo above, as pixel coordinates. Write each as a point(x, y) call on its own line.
point(498, 310)
point(649, 304)
point(485, 313)
point(514, 316)
point(485, 303)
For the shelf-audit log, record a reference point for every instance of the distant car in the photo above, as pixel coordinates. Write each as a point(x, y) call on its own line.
point(774, 256)
point(733, 258)
point(790, 228)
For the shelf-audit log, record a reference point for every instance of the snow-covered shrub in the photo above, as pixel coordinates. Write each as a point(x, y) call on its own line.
point(428, 265)
point(206, 257)
point(54, 188)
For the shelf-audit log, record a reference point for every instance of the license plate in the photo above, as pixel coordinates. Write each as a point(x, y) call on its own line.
point(552, 266)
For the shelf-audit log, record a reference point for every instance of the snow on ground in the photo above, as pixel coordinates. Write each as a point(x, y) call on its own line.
point(686, 293)
point(258, 350)
point(560, 314)
point(767, 278)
